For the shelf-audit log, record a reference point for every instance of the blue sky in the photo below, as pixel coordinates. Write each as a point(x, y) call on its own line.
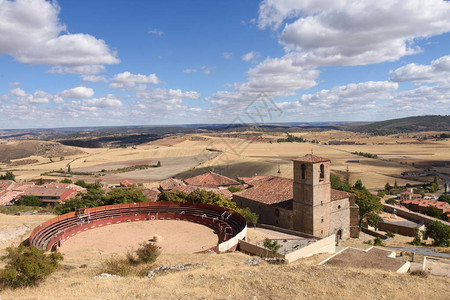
point(91, 63)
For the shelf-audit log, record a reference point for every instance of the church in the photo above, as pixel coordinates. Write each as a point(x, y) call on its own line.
point(307, 203)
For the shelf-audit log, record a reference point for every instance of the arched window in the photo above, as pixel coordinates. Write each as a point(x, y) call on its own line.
point(322, 172)
point(303, 171)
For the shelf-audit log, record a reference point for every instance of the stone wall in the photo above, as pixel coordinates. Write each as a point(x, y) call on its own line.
point(340, 217)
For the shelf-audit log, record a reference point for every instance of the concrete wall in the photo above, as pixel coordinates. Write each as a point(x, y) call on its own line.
point(325, 245)
point(231, 243)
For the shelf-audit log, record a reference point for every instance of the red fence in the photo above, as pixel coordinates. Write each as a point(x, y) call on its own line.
point(53, 232)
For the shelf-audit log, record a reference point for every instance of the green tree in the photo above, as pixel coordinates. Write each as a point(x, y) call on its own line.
point(347, 177)
point(124, 195)
point(337, 184)
point(395, 184)
point(81, 183)
point(373, 219)
point(433, 187)
point(73, 205)
point(158, 164)
point(444, 198)
point(8, 176)
point(367, 203)
point(387, 187)
point(359, 185)
point(29, 200)
point(68, 169)
point(433, 212)
point(273, 246)
point(66, 180)
point(440, 233)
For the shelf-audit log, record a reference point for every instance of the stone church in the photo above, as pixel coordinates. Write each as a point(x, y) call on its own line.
point(307, 203)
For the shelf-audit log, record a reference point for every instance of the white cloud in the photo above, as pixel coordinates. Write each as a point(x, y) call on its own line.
point(250, 56)
point(155, 31)
point(353, 96)
point(129, 80)
point(227, 55)
point(20, 97)
point(93, 78)
point(437, 71)
point(83, 69)
point(30, 31)
point(346, 32)
point(102, 102)
point(14, 83)
point(188, 71)
point(80, 92)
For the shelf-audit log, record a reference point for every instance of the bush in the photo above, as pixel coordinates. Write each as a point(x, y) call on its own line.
point(148, 252)
point(378, 241)
point(391, 201)
point(29, 201)
point(116, 266)
point(66, 180)
point(234, 189)
point(390, 234)
point(27, 266)
point(271, 245)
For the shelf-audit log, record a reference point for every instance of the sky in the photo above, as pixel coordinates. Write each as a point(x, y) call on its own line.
point(112, 63)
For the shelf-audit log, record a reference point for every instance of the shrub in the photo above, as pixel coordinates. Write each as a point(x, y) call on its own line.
point(390, 234)
point(234, 189)
point(148, 252)
point(27, 266)
point(419, 273)
point(378, 241)
point(391, 201)
point(29, 200)
point(271, 245)
point(66, 180)
point(116, 266)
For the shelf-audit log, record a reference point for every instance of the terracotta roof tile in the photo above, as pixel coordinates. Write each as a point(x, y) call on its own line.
point(171, 184)
point(338, 195)
point(311, 158)
point(212, 180)
point(272, 191)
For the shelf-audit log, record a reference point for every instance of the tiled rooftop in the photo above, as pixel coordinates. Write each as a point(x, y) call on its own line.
point(212, 180)
point(311, 158)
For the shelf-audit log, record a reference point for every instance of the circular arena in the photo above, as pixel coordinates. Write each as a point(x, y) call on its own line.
point(229, 225)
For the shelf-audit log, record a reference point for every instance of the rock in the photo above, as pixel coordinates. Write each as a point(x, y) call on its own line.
point(174, 268)
point(211, 252)
point(253, 261)
point(157, 238)
point(276, 260)
point(106, 275)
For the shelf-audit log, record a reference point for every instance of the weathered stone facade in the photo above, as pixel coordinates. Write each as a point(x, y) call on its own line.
point(311, 206)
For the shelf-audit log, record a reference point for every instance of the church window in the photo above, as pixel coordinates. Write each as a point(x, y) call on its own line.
point(321, 220)
point(303, 171)
point(339, 207)
point(322, 172)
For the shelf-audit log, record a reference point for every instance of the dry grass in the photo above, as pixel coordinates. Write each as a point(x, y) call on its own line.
point(240, 157)
point(226, 277)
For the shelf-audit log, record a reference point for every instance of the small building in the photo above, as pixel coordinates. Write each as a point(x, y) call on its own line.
point(212, 180)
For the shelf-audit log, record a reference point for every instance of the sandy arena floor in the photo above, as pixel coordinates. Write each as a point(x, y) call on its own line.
point(177, 237)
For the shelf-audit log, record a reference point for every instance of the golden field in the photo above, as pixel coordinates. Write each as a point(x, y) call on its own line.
point(236, 155)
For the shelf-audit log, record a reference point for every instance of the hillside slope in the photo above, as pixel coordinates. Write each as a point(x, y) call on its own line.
point(409, 124)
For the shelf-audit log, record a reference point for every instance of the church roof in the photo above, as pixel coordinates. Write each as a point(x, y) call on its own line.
point(311, 158)
point(276, 190)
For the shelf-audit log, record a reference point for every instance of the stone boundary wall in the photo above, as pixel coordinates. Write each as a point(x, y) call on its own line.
point(410, 215)
point(287, 231)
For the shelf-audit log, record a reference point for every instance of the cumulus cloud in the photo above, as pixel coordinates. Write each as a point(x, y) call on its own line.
point(20, 97)
point(227, 55)
point(155, 31)
point(353, 96)
point(346, 32)
point(188, 71)
point(87, 69)
point(80, 92)
point(93, 78)
point(250, 56)
point(32, 33)
point(437, 71)
point(129, 80)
